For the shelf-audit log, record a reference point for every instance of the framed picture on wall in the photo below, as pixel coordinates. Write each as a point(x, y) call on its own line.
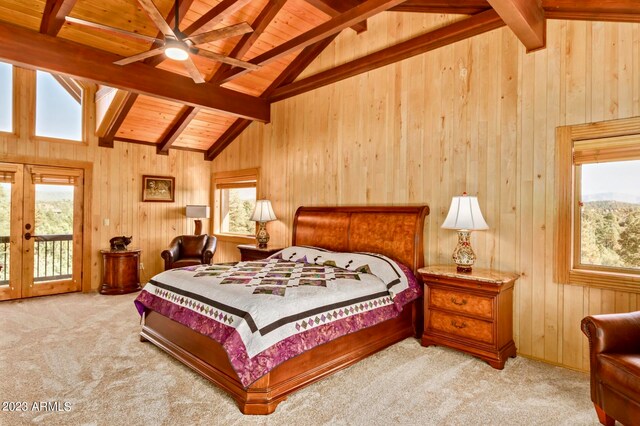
point(158, 188)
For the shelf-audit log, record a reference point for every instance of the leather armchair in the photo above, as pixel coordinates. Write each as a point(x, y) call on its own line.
point(189, 250)
point(614, 346)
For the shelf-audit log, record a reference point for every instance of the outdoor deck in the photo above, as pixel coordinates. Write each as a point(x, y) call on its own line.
point(54, 254)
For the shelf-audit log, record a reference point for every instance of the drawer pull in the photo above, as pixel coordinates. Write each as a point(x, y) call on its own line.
point(456, 325)
point(457, 302)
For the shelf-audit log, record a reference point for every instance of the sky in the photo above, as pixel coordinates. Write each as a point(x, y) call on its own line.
point(58, 115)
point(246, 193)
point(46, 192)
point(620, 177)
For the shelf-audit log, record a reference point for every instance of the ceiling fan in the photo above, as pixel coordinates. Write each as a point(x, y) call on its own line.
point(175, 44)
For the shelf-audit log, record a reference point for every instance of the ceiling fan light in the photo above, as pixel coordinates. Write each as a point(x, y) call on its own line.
point(177, 53)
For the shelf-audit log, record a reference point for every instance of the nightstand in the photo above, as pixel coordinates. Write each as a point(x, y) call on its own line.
point(471, 312)
point(251, 252)
point(121, 271)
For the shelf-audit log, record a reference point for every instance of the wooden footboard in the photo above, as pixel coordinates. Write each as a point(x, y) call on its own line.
point(208, 358)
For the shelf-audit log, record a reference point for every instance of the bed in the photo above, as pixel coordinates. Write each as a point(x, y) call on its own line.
point(396, 232)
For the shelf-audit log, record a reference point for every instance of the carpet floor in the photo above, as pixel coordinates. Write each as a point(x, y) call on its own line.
point(83, 350)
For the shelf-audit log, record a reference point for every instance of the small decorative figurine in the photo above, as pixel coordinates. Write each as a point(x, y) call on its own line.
point(120, 243)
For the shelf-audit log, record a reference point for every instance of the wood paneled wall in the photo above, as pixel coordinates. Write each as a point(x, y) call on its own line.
point(117, 184)
point(477, 116)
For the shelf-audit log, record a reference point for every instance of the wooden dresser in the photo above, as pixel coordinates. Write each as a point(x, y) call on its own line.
point(250, 252)
point(121, 271)
point(471, 312)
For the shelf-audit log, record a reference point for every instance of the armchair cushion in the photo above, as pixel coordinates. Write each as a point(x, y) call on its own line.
point(193, 245)
point(622, 372)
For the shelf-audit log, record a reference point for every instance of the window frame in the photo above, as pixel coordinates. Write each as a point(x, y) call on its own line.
point(241, 177)
point(14, 103)
point(567, 267)
point(85, 109)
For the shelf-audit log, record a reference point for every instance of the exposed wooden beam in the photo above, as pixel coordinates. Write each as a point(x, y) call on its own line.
point(118, 118)
point(526, 20)
point(469, 27)
point(587, 10)
point(54, 14)
point(466, 7)
point(186, 115)
point(299, 64)
point(108, 101)
point(289, 74)
point(147, 143)
point(227, 137)
point(593, 10)
point(336, 7)
point(30, 49)
point(215, 15)
point(247, 41)
point(322, 31)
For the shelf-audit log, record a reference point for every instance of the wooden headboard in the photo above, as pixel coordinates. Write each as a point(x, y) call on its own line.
point(397, 232)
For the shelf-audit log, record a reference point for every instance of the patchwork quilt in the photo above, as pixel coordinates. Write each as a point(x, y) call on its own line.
point(265, 312)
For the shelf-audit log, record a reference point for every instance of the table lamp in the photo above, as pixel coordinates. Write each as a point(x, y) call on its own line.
point(262, 214)
point(198, 212)
point(464, 216)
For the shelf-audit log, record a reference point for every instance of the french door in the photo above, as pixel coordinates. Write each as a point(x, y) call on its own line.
point(40, 230)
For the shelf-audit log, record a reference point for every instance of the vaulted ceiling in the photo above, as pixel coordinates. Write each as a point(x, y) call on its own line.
point(155, 101)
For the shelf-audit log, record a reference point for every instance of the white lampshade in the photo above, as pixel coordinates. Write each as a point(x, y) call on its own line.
point(198, 211)
point(465, 213)
point(263, 212)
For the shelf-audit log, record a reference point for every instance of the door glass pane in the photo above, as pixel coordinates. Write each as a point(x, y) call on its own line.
point(237, 205)
point(53, 245)
point(5, 232)
point(610, 214)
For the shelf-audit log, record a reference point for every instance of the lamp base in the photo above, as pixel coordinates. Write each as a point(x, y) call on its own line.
point(262, 237)
point(198, 229)
point(463, 255)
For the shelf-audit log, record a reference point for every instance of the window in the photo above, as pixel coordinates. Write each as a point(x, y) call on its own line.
point(234, 200)
point(598, 235)
point(6, 97)
point(58, 107)
point(609, 219)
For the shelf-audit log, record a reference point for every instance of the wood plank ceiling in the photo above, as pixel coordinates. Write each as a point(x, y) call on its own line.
point(287, 36)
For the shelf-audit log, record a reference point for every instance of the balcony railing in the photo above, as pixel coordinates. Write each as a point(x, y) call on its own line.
point(53, 258)
point(5, 245)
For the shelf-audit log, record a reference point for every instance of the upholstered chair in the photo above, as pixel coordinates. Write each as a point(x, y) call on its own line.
point(614, 346)
point(189, 250)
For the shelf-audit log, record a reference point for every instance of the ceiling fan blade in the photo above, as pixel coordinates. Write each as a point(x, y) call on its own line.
point(193, 71)
point(157, 18)
point(221, 33)
point(139, 56)
point(102, 27)
point(226, 59)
